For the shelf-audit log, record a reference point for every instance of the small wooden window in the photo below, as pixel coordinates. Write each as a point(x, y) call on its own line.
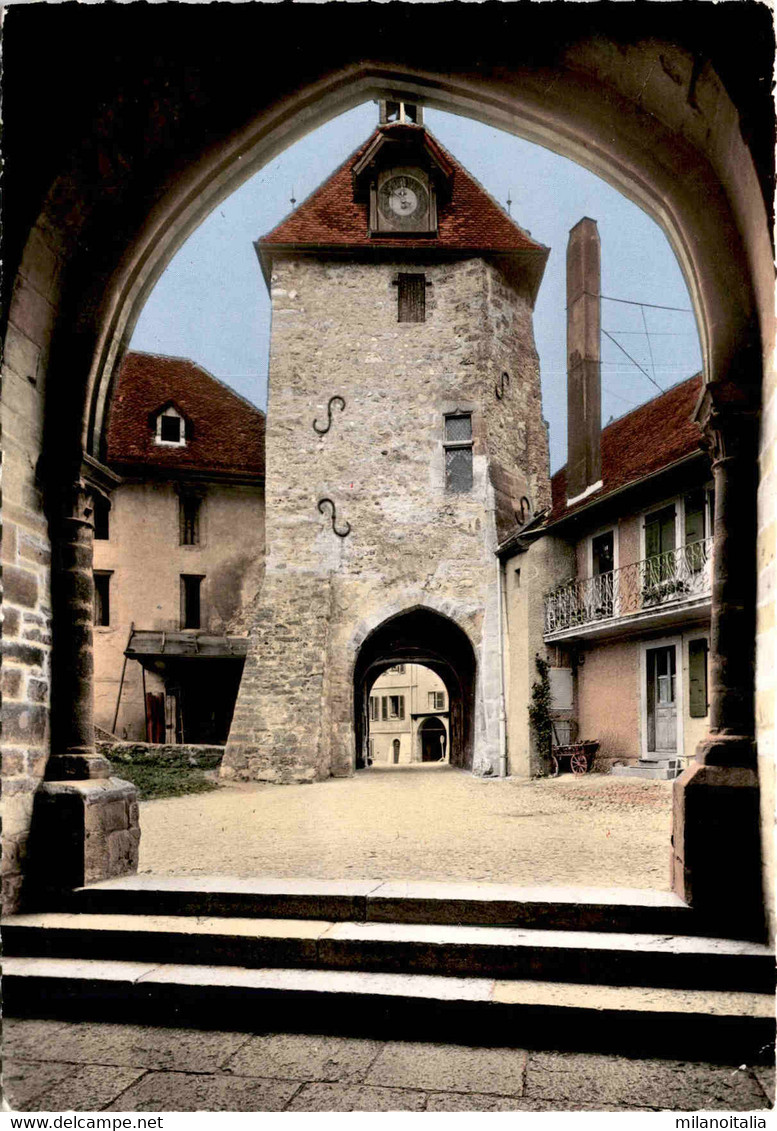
point(411, 298)
point(190, 600)
point(697, 679)
point(102, 598)
point(101, 523)
point(190, 520)
point(458, 452)
point(437, 700)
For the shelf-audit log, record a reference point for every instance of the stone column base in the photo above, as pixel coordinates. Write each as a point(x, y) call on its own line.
point(716, 852)
point(82, 832)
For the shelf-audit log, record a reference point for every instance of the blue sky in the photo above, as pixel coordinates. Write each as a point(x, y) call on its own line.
point(211, 304)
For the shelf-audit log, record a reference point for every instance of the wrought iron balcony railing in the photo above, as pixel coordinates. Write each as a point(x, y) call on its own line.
point(668, 579)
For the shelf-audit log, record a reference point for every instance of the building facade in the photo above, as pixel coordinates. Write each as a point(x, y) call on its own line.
point(613, 585)
point(626, 611)
point(408, 717)
point(178, 552)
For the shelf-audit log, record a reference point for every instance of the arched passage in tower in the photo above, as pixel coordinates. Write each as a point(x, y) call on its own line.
point(420, 636)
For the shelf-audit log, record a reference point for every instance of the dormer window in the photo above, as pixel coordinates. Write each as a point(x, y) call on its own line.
point(170, 428)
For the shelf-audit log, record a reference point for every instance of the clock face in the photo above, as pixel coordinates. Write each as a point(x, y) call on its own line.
point(403, 201)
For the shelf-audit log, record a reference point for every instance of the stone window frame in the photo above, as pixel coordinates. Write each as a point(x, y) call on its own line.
point(185, 499)
point(102, 521)
point(101, 606)
point(187, 609)
point(414, 311)
point(459, 445)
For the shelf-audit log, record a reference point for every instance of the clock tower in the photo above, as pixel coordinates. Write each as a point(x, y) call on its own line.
point(404, 441)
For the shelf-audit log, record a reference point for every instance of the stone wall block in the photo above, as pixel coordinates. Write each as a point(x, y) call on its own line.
point(25, 654)
point(21, 354)
point(9, 547)
point(82, 832)
point(24, 723)
point(40, 264)
point(12, 682)
point(31, 312)
point(21, 586)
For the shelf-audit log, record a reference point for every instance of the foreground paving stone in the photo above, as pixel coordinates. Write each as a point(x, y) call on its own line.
point(450, 1068)
point(88, 1087)
point(765, 1077)
point(140, 1046)
point(660, 1085)
point(182, 1091)
point(350, 1097)
point(453, 1101)
point(299, 1057)
point(24, 1039)
point(23, 1080)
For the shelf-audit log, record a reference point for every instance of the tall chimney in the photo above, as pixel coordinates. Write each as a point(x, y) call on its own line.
point(584, 392)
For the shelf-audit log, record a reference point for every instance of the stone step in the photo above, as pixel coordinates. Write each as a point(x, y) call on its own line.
point(502, 952)
point(521, 1013)
point(487, 904)
point(656, 772)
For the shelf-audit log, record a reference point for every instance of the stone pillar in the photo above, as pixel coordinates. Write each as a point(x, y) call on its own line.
point(716, 841)
point(85, 823)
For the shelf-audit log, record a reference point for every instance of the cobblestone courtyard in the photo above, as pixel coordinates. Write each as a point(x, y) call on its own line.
point(424, 822)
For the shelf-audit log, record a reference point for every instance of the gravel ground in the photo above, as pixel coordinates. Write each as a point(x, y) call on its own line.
point(426, 822)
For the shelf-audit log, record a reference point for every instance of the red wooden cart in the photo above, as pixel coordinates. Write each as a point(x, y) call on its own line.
point(580, 755)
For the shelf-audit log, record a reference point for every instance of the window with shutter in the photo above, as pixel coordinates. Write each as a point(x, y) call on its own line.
point(411, 298)
point(697, 678)
point(694, 517)
point(458, 452)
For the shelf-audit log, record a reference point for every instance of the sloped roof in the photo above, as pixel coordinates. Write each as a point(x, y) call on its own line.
point(639, 444)
point(226, 431)
point(469, 220)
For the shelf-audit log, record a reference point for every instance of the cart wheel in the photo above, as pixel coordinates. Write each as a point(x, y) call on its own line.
point(578, 763)
point(554, 766)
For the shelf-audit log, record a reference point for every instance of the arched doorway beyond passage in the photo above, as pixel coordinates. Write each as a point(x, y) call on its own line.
point(420, 636)
point(432, 740)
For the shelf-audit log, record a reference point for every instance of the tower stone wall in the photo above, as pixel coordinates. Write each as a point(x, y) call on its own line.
point(409, 541)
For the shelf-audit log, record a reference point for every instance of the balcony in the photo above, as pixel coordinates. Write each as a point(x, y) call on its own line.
point(663, 590)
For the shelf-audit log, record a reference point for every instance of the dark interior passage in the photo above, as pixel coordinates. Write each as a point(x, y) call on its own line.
point(421, 636)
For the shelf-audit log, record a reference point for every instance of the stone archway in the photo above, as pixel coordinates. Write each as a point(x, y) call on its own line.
point(137, 154)
point(421, 636)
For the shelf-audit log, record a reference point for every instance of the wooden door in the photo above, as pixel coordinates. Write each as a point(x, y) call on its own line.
point(662, 700)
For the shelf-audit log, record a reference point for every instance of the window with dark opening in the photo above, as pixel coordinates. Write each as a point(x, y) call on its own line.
point(458, 452)
point(392, 707)
point(411, 298)
point(437, 700)
point(170, 429)
point(101, 510)
point(190, 600)
point(102, 598)
point(190, 520)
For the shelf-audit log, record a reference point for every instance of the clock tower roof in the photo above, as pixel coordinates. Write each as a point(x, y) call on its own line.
point(335, 217)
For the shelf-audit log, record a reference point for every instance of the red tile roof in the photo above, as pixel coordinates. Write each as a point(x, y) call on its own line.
point(640, 443)
point(470, 220)
point(227, 432)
